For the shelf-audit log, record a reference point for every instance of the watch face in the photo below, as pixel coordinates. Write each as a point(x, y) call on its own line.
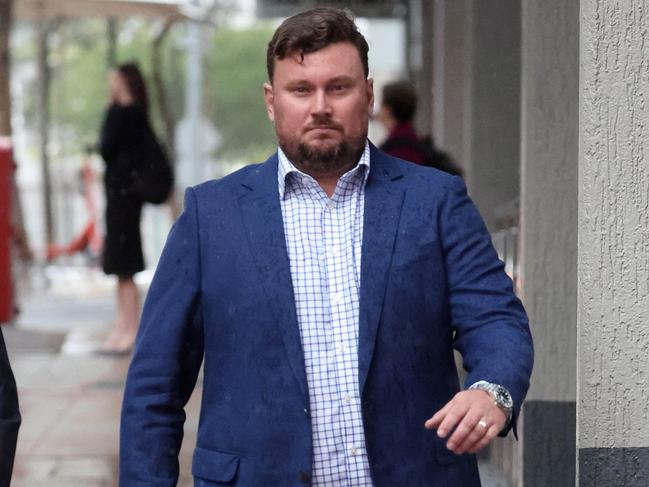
point(503, 397)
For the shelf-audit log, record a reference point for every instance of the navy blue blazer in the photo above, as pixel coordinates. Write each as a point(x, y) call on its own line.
point(222, 295)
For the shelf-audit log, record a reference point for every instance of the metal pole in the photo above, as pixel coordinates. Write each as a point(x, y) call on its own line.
point(194, 97)
point(44, 124)
point(5, 97)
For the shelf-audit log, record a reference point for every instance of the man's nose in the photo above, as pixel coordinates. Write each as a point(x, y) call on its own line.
point(321, 105)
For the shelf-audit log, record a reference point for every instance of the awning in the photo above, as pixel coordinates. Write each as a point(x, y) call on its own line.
point(39, 9)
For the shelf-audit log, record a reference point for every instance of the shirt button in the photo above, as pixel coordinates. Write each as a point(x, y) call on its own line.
point(353, 451)
point(337, 298)
point(304, 477)
point(340, 348)
point(347, 398)
point(331, 205)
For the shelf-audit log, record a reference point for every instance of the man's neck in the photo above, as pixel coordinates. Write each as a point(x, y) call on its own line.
point(328, 180)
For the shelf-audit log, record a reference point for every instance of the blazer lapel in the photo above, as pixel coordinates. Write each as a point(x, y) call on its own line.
point(262, 216)
point(383, 202)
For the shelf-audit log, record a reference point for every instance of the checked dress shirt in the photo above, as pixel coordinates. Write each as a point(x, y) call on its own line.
point(323, 239)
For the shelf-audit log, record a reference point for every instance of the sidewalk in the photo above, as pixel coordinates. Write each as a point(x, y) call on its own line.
point(70, 399)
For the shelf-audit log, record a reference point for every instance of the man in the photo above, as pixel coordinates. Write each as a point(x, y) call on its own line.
point(398, 107)
point(9, 417)
point(325, 290)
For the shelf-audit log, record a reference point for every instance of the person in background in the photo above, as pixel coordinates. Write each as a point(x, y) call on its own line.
point(9, 417)
point(398, 108)
point(325, 290)
point(126, 126)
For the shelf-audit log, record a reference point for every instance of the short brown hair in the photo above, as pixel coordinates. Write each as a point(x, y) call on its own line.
point(400, 98)
point(311, 31)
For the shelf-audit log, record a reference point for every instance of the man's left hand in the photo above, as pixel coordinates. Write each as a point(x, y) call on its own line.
point(475, 418)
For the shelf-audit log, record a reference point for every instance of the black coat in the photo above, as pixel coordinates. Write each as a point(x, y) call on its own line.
point(9, 416)
point(122, 142)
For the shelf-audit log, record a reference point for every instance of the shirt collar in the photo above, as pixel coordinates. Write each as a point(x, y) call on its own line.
point(285, 168)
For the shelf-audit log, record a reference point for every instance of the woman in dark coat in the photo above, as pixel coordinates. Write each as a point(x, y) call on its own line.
point(125, 129)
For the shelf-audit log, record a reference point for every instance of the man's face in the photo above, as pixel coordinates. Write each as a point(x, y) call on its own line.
point(320, 106)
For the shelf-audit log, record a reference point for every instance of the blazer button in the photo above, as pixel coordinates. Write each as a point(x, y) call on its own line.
point(304, 477)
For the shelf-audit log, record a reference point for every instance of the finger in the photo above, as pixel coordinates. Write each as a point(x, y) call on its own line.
point(437, 418)
point(452, 418)
point(467, 430)
point(478, 432)
point(485, 440)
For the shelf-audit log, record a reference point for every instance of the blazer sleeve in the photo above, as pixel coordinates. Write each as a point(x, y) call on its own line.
point(491, 327)
point(9, 417)
point(166, 360)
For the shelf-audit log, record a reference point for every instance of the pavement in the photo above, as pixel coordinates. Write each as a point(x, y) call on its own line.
point(70, 399)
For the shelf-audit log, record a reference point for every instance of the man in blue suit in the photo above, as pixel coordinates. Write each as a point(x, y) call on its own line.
point(324, 292)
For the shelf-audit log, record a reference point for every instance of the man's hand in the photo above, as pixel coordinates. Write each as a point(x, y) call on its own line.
point(474, 416)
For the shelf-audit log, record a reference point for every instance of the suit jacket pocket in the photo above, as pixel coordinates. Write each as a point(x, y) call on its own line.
point(214, 465)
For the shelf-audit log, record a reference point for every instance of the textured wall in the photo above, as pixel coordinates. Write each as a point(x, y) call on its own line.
point(613, 261)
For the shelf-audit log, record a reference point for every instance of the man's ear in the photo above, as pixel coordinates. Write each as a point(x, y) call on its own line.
point(370, 95)
point(269, 99)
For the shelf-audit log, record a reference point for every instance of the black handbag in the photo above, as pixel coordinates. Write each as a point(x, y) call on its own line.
point(156, 180)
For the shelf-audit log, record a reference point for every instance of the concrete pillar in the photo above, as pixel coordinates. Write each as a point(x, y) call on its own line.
point(613, 258)
point(549, 152)
point(476, 96)
point(449, 74)
point(420, 62)
point(492, 116)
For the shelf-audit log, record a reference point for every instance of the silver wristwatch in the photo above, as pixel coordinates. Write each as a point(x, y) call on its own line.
point(501, 396)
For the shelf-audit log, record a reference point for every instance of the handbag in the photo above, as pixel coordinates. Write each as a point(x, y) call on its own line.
point(156, 179)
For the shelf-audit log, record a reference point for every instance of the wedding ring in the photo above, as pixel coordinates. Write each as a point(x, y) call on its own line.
point(482, 423)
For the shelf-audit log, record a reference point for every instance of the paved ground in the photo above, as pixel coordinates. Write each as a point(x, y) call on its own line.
point(69, 398)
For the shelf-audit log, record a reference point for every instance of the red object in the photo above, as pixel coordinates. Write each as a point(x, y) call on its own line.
point(90, 237)
point(6, 287)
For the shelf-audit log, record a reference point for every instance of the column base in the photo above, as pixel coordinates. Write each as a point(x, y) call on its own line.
point(549, 429)
point(614, 466)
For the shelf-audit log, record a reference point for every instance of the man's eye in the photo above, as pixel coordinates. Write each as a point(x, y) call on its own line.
point(338, 87)
point(300, 89)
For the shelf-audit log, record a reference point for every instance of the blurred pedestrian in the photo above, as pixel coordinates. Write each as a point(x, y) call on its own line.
point(325, 290)
point(398, 108)
point(9, 417)
point(126, 127)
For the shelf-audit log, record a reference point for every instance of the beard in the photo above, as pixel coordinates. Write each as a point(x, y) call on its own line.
point(335, 159)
